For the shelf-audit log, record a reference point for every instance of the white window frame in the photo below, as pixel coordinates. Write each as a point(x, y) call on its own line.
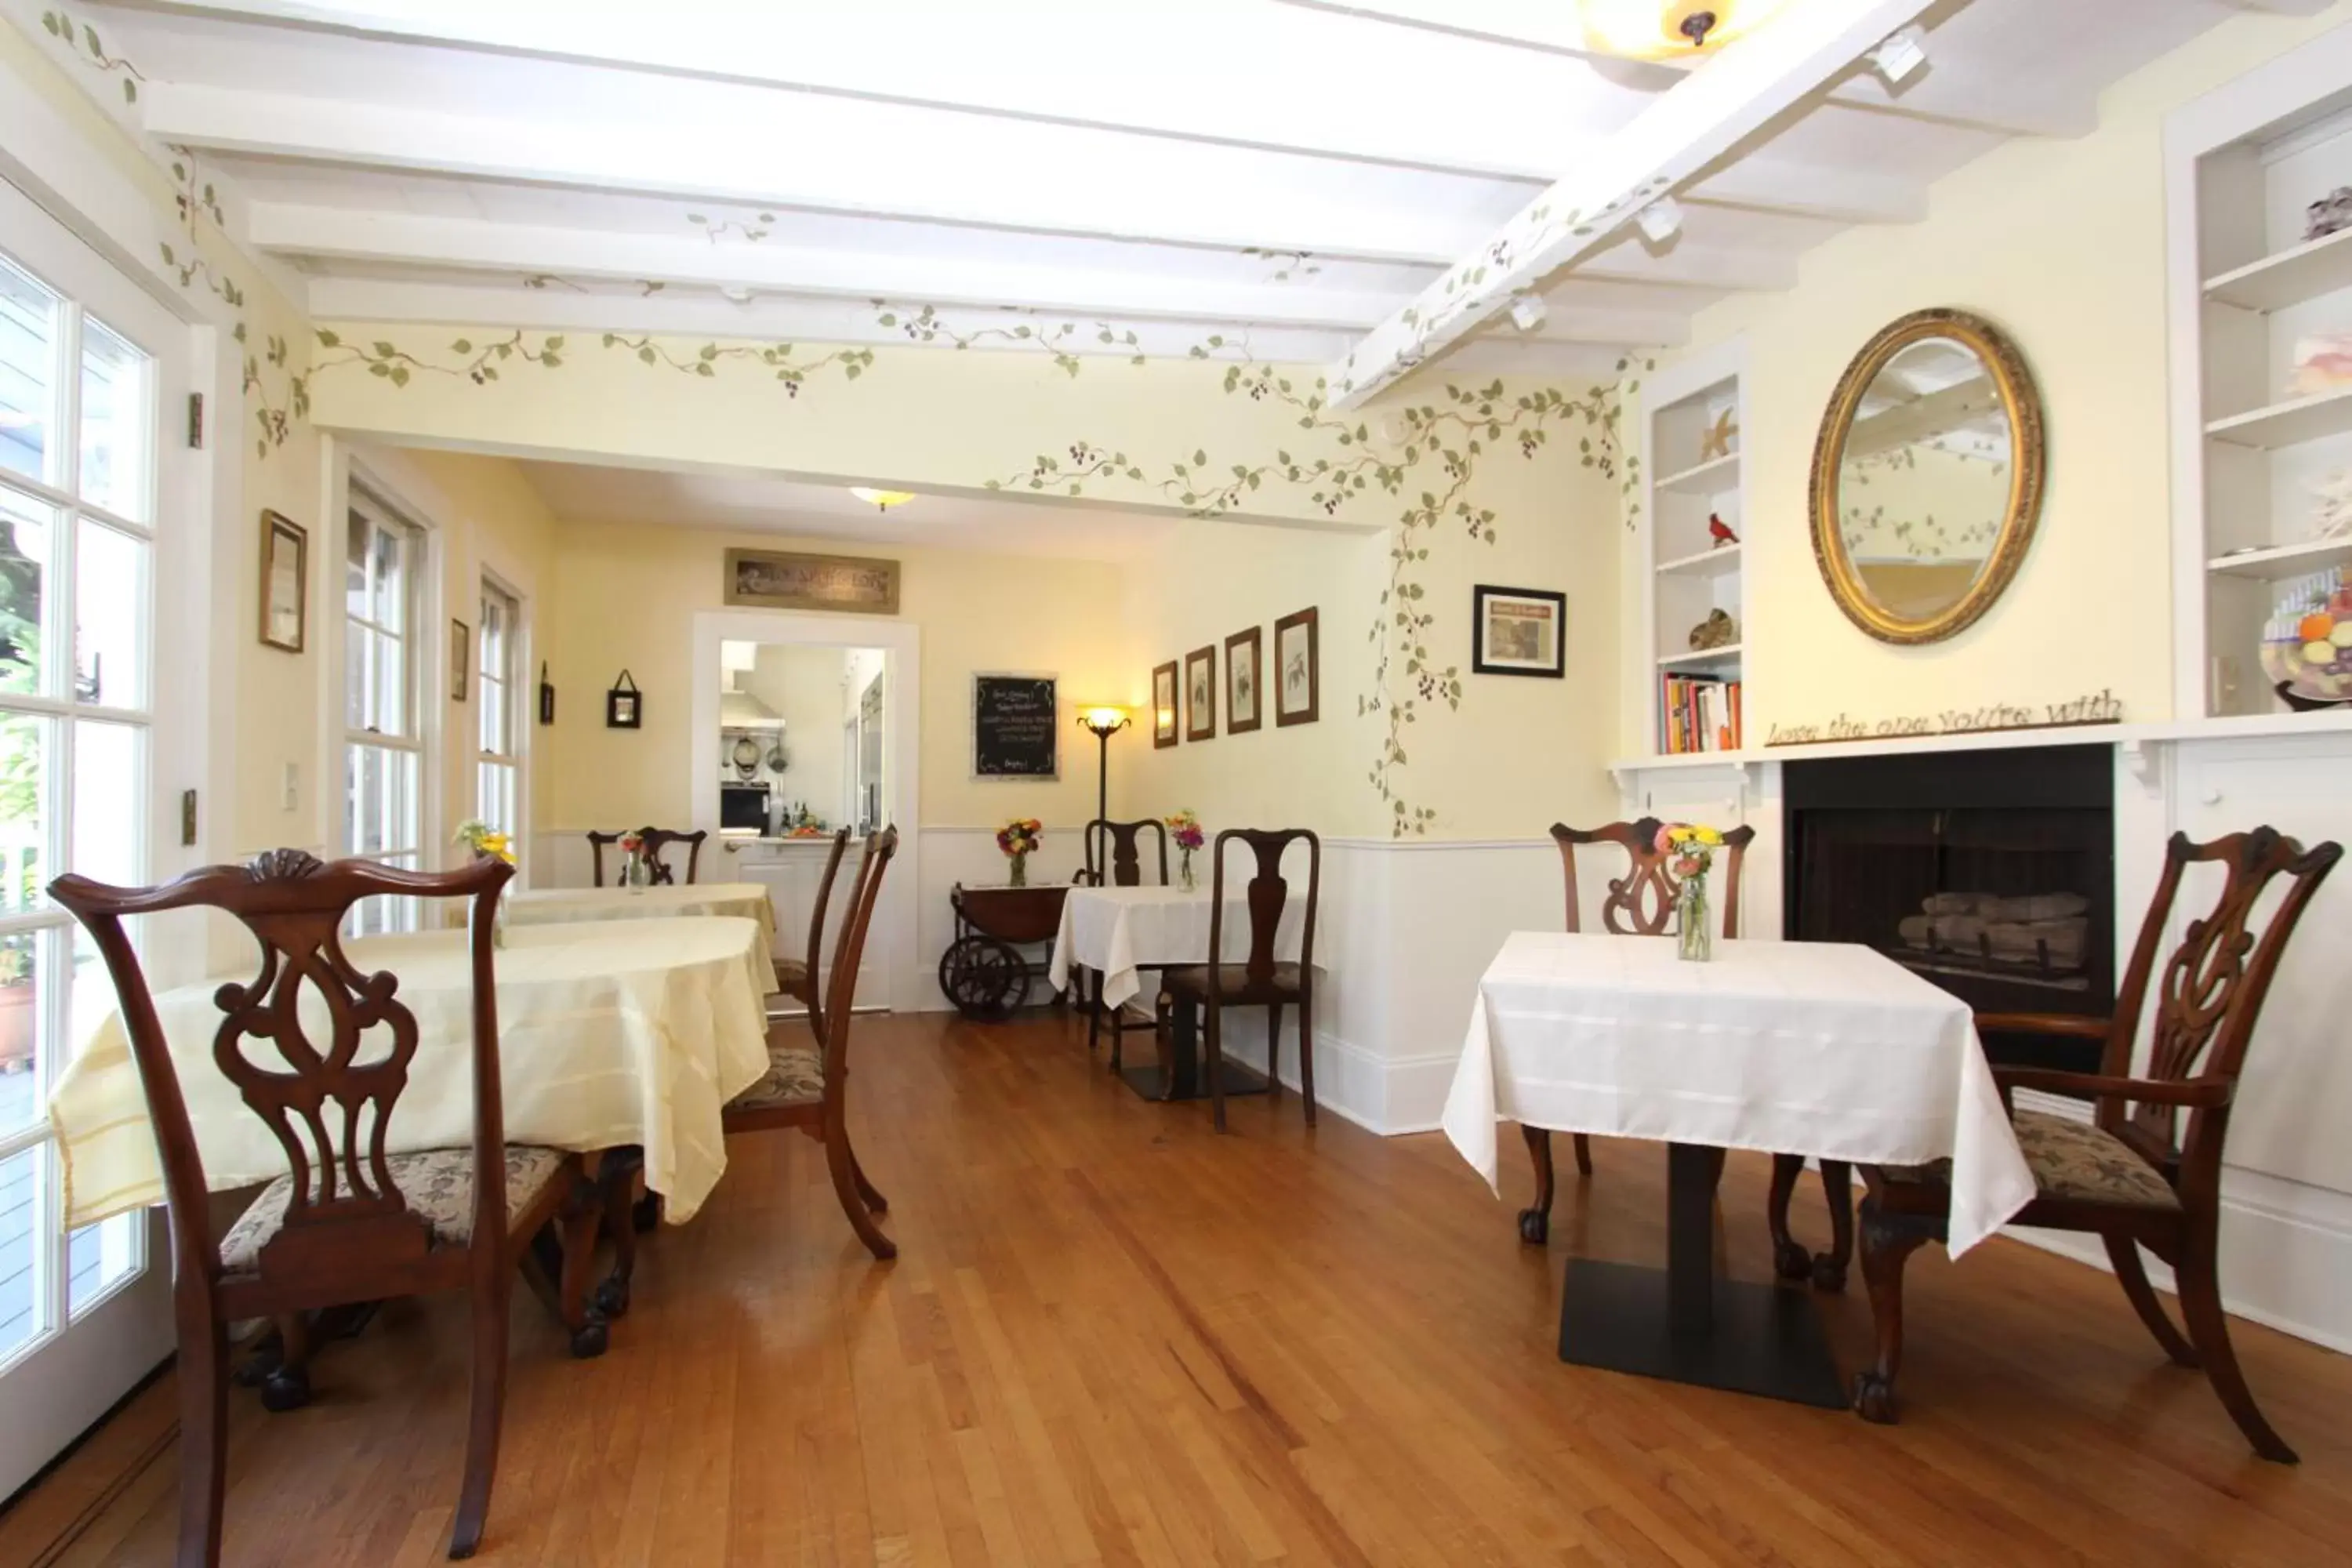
point(412, 739)
point(508, 678)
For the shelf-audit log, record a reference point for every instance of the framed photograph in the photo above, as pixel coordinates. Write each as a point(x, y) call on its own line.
point(1519, 631)
point(624, 705)
point(1297, 670)
point(285, 582)
point(1201, 694)
point(784, 580)
point(1014, 731)
point(1245, 682)
point(1163, 706)
point(461, 661)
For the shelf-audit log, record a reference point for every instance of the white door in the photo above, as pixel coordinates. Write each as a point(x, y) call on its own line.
point(95, 508)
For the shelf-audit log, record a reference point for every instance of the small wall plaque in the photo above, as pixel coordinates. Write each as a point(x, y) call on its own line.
point(624, 705)
point(546, 696)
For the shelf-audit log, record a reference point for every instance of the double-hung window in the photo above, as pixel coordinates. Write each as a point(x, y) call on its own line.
point(497, 769)
point(384, 660)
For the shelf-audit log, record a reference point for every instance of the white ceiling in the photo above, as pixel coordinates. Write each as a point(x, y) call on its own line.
point(764, 503)
point(1155, 166)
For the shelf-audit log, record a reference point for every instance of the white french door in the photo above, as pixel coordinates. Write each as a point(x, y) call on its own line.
point(94, 512)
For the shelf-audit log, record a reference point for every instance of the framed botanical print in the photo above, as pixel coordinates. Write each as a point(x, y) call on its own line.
point(1519, 631)
point(461, 659)
point(1163, 706)
point(1201, 694)
point(1297, 670)
point(1243, 680)
point(285, 582)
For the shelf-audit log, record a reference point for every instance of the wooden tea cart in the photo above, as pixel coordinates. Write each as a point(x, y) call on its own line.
point(983, 972)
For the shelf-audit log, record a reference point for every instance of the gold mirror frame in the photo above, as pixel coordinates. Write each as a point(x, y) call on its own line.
point(2021, 400)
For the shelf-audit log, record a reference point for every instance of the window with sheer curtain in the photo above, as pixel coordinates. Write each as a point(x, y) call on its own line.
point(383, 745)
point(497, 769)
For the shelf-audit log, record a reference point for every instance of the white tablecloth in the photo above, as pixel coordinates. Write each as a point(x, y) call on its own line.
point(1817, 1049)
point(1119, 930)
point(612, 1033)
point(546, 906)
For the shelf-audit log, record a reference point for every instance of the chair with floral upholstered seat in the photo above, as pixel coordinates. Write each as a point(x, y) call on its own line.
point(796, 977)
point(2130, 1175)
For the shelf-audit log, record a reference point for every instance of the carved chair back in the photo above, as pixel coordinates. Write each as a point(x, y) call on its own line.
point(329, 1110)
point(597, 844)
point(658, 841)
point(1114, 852)
point(1641, 901)
point(1268, 893)
point(2209, 994)
point(848, 953)
point(816, 914)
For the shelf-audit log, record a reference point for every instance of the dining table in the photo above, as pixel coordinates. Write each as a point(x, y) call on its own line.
point(565, 906)
point(612, 1033)
point(1831, 1050)
point(1124, 932)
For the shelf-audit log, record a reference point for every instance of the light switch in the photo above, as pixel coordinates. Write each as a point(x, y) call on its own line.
point(291, 794)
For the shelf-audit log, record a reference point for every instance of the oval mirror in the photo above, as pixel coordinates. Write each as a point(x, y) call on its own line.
point(1927, 477)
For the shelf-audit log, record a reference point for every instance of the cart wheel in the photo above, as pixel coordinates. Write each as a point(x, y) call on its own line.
point(986, 979)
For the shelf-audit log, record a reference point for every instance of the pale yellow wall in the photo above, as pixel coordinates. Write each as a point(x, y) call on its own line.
point(625, 598)
point(2061, 243)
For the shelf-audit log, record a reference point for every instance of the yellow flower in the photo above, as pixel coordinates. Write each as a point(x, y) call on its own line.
point(1688, 834)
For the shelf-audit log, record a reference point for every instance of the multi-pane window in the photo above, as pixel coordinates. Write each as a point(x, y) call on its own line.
point(384, 747)
point(77, 513)
point(498, 771)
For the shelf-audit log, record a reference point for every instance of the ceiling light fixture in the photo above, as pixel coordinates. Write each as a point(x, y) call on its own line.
point(740, 295)
point(883, 500)
point(1526, 312)
point(1671, 29)
point(1903, 53)
point(1661, 220)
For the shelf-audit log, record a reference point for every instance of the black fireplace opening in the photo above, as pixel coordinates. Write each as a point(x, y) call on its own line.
point(1989, 873)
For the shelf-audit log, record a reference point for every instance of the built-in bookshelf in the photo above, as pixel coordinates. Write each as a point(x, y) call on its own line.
point(1693, 480)
point(2262, 322)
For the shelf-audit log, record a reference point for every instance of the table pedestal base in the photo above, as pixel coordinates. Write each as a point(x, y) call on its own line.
point(1760, 1339)
point(1183, 1076)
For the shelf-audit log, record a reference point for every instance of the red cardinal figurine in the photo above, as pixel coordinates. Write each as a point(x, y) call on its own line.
point(1722, 531)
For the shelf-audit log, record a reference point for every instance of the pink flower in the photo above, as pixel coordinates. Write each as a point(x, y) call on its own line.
point(1666, 837)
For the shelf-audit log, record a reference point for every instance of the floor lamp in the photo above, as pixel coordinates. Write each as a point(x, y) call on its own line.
point(1102, 723)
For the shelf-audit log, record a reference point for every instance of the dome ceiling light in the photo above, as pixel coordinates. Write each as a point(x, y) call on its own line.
point(1672, 30)
point(884, 499)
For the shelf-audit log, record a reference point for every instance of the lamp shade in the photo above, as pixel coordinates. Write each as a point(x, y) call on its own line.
point(1103, 717)
point(1672, 29)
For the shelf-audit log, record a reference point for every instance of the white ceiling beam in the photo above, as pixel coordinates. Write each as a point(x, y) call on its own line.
point(1986, 100)
point(1839, 194)
point(1683, 266)
point(1718, 108)
point(2280, 7)
point(1219, 205)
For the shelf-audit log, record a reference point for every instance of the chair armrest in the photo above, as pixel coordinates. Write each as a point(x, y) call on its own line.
point(2043, 1024)
point(2202, 1093)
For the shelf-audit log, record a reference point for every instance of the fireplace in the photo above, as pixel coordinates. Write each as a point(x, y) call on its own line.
point(1989, 873)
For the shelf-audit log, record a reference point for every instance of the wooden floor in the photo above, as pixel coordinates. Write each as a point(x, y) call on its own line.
point(1114, 1338)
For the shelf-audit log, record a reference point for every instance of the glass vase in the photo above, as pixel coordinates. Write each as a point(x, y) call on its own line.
point(634, 875)
point(1694, 930)
point(1184, 869)
point(1020, 870)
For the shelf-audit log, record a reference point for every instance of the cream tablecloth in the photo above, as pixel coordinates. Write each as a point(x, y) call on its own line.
point(1817, 1049)
point(612, 1033)
point(1120, 930)
point(544, 906)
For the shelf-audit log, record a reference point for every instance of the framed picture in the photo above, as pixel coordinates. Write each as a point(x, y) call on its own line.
point(285, 582)
point(1163, 706)
point(624, 705)
point(461, 661)
point(1244, 681)
point(1297, 670)
point(784, 580)
point(1519, 631)
point(1201, 694)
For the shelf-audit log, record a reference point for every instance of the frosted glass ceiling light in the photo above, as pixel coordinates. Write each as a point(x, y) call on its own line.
point(1901, 54)
point(1661, 220)
point(1672, 29)
point(885, 500)
point(1526, 312)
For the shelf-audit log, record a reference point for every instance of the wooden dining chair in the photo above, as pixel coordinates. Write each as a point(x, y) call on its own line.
point(1258, 981)
point(796, 977)
point(350, 1222)
point(1113, 856)
point(658, 841)
point(597, 844)
point(1642, 903)
point(2131, 1176)
point(808, 1087)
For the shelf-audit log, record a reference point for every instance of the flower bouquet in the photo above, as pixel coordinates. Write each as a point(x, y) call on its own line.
point(1185, 828)
point(487, 842)
point(1689, 851)
point(635, 875)
point(1019, 839)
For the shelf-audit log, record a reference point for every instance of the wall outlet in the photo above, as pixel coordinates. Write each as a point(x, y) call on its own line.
point(289, 792)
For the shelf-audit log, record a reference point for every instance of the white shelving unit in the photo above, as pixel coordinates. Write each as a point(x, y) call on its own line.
point(1687, 482)
point(2253, 447)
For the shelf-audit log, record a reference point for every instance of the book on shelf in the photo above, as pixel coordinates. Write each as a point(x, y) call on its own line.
point(1700, 713)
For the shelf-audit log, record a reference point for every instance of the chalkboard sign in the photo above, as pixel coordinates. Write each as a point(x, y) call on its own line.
point(1015, 728)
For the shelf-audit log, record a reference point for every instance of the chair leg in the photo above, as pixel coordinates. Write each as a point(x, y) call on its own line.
point(1837, 1192)
point(1216, 1041)
point(1886, 1246)
point(1583, 1155)
point(2132, 1274)
point(204, 1439)
point(867, 1189)
point(841, 1161)
point(1306, 1054)
point(616, 1179)
point(1535, 1223)
point(582, 1213)
point(1790, 1259)
point(1094, 982)
point(1273, 1053)
point(2197, 1275)
point(287, 1386)
point(487, 1409)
